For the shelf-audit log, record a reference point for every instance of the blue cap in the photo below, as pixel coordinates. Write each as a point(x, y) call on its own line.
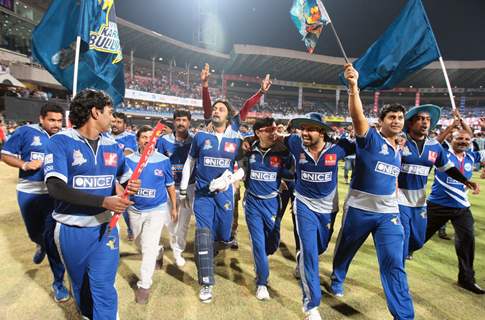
point(311, 118)
point(434, 114)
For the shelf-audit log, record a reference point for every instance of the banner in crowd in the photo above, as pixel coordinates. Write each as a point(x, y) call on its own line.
point(100, 57)
point(155, 97)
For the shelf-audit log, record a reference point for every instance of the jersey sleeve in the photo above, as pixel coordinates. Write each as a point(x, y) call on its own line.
point(346, 148)
point(160, 146)
point(124, 172)
point(55, 160)
point(131, 143)
point(367, 140)
point(292, 142)
point(442, 162)
point(13, 146)
point(194, 148)
point(167, 171)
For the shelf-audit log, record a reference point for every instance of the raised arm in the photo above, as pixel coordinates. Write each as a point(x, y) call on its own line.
point(464, 125)
point(356, 111)
point(206, 98)
point(249, 103)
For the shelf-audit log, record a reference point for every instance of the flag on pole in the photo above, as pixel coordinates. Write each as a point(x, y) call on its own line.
point(309, 17)
point(100, 57)
point(405, 47)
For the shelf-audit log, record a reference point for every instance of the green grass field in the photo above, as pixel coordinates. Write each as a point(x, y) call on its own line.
point(25, 287)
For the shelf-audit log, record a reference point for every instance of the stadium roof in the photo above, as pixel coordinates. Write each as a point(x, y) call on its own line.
point(283, 64)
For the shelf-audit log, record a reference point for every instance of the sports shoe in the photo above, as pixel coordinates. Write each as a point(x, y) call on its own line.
point(336, 290)
point(233, 243)
point(39, 255)
point(205, 294)
point(313, 314)
point(142, 295)
point(262, 293)
point(471, 286)
point(296, 273)
point(60, 292)
point(443, 235)
point(179, 260)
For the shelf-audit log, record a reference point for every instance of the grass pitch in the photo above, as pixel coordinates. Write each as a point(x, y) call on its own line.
point(25, 288)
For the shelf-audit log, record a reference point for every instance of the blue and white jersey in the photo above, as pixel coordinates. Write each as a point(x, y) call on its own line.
point(126, 141)
point(178, 152)
point(415, 169)
point(316, 181)
point(265, 169)
point(374, 180)
point(214, 153)
point(70, 158)
point(448, 192)
point(28, 143)
point(155, 178)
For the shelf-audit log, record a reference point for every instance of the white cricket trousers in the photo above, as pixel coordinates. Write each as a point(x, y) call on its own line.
point(178, 231)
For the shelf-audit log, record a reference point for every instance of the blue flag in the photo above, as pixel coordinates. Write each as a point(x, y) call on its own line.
point(309, 17)
point(407, 46)
point(100, 58)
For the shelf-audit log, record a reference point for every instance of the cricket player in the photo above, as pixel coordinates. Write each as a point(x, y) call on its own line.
point(26, 150)
point(150, 211)
point(83, 169)
point(371, 205)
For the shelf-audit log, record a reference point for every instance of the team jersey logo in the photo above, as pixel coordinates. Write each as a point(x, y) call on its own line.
point(384, 150)
point(303, 159)
point(330, 159)
point(395, 220)
point(423, 214)
point(252, 159)
point(316, 176)
point(263, 176)
point(93, 182)
point(387, 169)
point(217, 162)
point(48, 159)
point(36, 142)
point(111, 243)
point(110, 159)
point(207, 145)
point(78, 158)
point(230, 147)
point(432, 156)
point(122, 146)
point(406, 152)
point(146, 193)
point(468, 167)
point(275, 161)
point(450, 180)
point(36, 156)
point(159, 173)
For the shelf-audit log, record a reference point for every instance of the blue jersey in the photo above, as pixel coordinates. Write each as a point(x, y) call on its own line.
point(316, 181)
point(126, 141)
point(178, 152)
point(155, 178)
point(214, 153)
point(265, 169)
point(374, 180)
point(448, 192)
point(70, 158)
point(415, 169)
point(28, 143)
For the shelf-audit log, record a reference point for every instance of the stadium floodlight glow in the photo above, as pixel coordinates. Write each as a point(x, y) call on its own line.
point(195, 67)
point(160, 59)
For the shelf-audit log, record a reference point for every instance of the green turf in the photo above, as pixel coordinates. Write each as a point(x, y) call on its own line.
point(25, 287)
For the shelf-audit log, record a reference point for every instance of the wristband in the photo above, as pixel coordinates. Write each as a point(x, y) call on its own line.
point(24, 166)
point(353, 92)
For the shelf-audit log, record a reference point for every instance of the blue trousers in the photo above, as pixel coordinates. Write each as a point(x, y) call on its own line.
point(264, 228)
point(414, 221)
point(91, 258)
point(388, 235)
point(36, 210)
point(215, 212)
point(314, 233)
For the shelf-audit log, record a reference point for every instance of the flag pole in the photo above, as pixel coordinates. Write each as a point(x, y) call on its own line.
point(448, 85)
point(339, 42)
point(76, 66)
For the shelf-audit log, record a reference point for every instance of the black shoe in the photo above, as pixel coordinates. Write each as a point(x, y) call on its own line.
point(443, 235)
point(39, 255)
point(471, 286)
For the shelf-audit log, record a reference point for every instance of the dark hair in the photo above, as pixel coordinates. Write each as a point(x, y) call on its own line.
point(83, 102)
point(230, 110)
point(142, 130)
point(263, 122)
point(120, 115)
point(50, 107)
point(179, 113)
point(244, 125)
point(394, 107)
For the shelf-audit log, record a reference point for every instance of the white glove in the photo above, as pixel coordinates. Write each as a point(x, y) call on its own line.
point(184, 199)
point(237, 176)
point(222, 183)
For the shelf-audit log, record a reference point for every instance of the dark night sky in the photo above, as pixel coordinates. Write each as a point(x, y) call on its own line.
point(459, 25)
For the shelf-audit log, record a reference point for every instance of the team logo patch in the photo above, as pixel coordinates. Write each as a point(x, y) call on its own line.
point(468, 167)
point(387, 169)
point(217, 162)
point(252, 159)
point(423, 214)
point(432, 155)
point(110, 159)
point(207, 145)
point(230, 147)
point(122, 146)
point(36, 142)
point(395, 220)
point(275, 161)
point(316, 176)
point(330, 159)
point(228, 205)
point(93, 182)
point(111, 243)
point(159, 173)
point(78, 158)
point(146, 193)
point(406, 152)
point(384, 150)
point(303, 159)
point(263, 175)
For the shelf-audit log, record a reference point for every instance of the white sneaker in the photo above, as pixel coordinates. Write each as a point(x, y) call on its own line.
point(313, 314)
point(205, 294)
point(179, 260)
point(262, 293)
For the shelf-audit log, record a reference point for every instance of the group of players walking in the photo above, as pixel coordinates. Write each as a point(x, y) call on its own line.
point(70, 182)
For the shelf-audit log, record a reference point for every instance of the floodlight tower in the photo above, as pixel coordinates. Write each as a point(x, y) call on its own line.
point(206, 33)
